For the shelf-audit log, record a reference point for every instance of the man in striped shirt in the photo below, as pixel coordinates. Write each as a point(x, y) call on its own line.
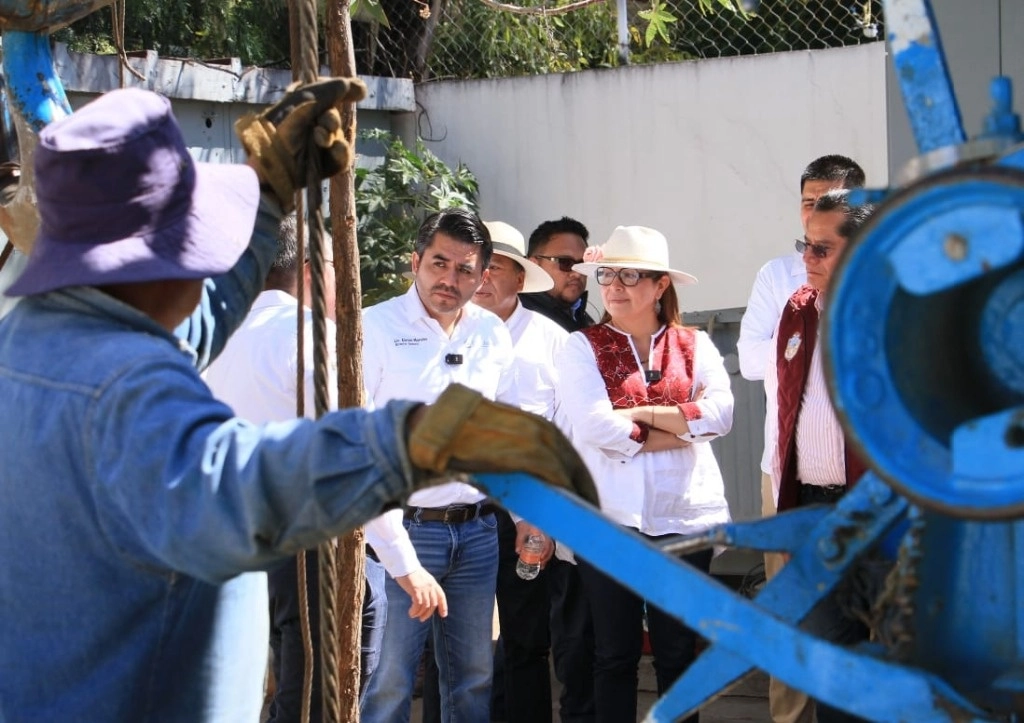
point(811, 462)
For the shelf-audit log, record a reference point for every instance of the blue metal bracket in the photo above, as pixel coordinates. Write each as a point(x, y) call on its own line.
point(783, 533)
point(755, 633)
point(924, 79)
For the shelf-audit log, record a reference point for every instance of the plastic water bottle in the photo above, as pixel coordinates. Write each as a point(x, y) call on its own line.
point(528, 566)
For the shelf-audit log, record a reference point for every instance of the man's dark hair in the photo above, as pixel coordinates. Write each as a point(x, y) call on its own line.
point(460, 224)
point(834, 168)
point(854, 216)
point(543, 233)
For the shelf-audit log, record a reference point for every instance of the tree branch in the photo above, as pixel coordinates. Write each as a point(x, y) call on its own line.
point(543, 11)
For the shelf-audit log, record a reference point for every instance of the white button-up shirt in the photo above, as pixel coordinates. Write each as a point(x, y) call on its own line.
point(775, 283)
point(256, 374)
point(820, 444)
point(658, 493)
point(404, 352)
point(537, 341)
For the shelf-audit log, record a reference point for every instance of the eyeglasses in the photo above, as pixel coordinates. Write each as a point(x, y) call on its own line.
point(605, 275)
point(818, 250)
point(565, 263)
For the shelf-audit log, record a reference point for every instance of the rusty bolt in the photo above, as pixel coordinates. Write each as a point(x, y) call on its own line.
point(955, 247)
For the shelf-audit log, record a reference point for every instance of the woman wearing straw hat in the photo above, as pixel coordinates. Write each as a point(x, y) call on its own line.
point(648, 394)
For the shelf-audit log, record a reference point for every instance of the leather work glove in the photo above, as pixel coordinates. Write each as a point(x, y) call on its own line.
point(278, 139)
point(463, 432)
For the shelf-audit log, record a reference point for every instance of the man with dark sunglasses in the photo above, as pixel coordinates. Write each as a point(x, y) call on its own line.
point(774, 284)
point(555, 246)
point(811, 460)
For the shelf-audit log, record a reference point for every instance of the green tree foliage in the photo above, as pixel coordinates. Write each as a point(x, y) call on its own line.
point(427, 39)
point(724, 28)
point(254, 30)
point(474, 40)
point(392, 199)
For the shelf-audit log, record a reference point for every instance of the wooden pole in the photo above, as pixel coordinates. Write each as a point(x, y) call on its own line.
point(351, 547)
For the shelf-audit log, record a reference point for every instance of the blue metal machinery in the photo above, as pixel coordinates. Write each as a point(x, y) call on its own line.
point(924, 337)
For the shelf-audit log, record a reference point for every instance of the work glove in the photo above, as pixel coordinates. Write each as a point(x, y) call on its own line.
point(278, 140)
point(463, 432)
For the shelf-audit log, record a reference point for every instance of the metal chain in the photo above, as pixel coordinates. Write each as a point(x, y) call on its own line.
point(893, 614)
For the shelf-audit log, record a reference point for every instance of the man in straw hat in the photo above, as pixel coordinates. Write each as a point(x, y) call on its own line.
point(132, 499)
point(556, 245)
point(523, 605)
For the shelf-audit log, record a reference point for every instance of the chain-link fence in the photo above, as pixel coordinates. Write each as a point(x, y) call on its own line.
point(482, 38)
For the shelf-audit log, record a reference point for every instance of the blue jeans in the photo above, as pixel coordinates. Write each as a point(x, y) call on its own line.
point(463, 558)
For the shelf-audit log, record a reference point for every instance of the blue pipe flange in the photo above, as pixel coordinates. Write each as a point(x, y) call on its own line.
point(924, 342)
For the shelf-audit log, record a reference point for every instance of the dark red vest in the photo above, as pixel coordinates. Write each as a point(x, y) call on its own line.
point(795, 341)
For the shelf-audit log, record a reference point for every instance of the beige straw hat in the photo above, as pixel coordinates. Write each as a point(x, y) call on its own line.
point(634, 247)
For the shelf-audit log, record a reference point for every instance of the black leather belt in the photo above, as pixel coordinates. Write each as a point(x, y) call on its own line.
point(452, 514)
point(814, 494)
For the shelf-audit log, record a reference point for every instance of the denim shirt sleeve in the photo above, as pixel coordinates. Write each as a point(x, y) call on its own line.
point(182, 485)
point(227, 298)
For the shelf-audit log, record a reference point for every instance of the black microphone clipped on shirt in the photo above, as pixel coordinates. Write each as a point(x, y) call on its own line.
point(453, 358)
point(652, 375)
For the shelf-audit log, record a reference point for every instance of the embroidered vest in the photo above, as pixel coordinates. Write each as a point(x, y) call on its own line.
point(795, 342)
point(627, 388)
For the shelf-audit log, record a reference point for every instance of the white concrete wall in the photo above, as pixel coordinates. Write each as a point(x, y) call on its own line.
point(708, 152)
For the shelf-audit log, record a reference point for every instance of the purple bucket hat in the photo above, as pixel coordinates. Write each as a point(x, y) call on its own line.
point(121, 200)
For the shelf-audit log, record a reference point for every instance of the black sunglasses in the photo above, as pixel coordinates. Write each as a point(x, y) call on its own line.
point(818, 250)
point(565, 263)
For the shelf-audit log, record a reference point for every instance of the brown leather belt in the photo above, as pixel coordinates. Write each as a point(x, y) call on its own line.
point(452, 514)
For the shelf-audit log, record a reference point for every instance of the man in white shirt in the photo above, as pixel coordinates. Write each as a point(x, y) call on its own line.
point(441, 550)
point(523, 605)
point(811, 462)
point(775, 282)
point(257, 376)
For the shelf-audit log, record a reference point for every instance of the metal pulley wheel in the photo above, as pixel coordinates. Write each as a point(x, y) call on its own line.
point(924, 342)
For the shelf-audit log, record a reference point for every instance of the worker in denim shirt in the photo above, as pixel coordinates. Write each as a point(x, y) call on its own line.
point(131, 501)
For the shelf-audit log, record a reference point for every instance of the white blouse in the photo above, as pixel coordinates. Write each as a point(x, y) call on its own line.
point(657, 493)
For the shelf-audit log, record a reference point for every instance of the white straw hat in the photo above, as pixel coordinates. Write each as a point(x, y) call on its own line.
point(507, 241)
point(634, 247)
